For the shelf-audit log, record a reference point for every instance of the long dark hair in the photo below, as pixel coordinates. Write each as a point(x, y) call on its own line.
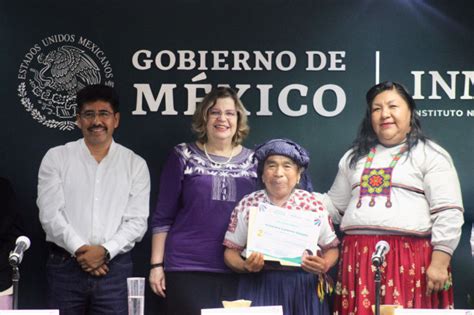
point(366, 137)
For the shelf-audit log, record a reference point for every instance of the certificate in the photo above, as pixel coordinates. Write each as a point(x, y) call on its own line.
point(281, 234)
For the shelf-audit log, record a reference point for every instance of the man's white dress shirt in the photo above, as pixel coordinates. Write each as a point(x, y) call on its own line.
point(83, 202)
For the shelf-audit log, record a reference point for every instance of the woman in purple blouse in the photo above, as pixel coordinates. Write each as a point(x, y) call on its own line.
point(200, 185)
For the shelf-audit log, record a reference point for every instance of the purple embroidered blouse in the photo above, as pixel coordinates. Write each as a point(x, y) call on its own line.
point(195, 201)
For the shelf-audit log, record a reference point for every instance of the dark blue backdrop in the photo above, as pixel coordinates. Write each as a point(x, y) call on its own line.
point(434, 37)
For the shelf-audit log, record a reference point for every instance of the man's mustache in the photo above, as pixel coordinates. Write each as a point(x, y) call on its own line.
point(91, 128)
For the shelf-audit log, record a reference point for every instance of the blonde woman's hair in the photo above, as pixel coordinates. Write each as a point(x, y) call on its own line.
point(200, 117)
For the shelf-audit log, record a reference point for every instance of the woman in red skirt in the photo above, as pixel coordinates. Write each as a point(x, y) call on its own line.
point(395, 185)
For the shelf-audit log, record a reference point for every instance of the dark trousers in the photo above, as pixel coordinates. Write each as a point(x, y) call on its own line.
point(189, 292)
point(73, 291)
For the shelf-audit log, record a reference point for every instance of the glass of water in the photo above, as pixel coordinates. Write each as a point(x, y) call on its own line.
point(136, 296)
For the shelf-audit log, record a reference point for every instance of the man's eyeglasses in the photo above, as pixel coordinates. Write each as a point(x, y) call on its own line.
point(102, 115)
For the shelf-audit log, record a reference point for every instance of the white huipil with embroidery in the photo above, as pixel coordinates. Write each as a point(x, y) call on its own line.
point(425, 196)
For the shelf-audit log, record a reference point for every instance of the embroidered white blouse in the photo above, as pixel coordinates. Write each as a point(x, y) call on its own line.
point(425, 196)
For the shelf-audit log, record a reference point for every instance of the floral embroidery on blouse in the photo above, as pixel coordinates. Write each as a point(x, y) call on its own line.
point(224, 186)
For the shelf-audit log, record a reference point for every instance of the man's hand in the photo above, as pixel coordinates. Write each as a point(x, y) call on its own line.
point(91, 257)
point(100, 271)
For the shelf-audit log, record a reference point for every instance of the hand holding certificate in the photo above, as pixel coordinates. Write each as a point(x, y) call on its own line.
point(254, 262)
point(283, 235)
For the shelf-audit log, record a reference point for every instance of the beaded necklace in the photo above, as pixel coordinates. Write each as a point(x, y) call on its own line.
point(219, 163)
point(377, 181)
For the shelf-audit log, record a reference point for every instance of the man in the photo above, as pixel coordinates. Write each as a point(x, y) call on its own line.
point(93, 199)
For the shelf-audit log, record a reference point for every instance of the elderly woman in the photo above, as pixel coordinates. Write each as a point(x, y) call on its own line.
point(282, 166)
point(395, 185)
point(200, 185)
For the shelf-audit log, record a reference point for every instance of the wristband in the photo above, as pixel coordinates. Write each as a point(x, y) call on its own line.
point(156, 265)
point(106, 254)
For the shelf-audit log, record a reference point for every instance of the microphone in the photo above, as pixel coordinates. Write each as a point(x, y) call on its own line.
point(381, 249)
point(16, 256)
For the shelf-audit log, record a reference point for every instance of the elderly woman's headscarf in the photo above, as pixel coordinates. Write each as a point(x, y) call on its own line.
point(286, 148)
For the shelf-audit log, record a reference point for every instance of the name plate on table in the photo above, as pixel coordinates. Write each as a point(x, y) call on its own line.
point(281, 234)
point(256, 310)
point(409, 311)
point(29, 312)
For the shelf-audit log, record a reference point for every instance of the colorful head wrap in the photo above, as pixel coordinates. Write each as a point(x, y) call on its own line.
point(286, 148)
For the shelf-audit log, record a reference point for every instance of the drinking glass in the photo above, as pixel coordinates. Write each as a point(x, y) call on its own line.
point(136, 296)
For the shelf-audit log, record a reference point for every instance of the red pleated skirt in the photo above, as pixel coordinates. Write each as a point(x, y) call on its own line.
point(403, 275)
